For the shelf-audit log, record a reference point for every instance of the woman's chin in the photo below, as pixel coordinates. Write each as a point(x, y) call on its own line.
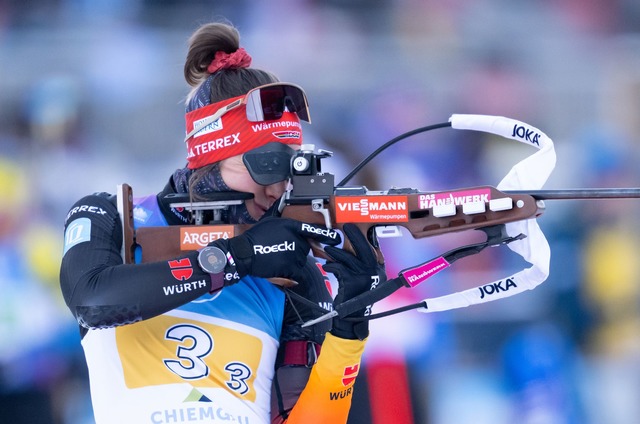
point(256, 213)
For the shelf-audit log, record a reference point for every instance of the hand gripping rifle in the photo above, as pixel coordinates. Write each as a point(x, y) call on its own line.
point(506, 214)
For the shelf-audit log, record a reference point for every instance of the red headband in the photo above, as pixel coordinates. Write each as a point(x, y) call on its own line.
point(232, 134)
point(238, 59)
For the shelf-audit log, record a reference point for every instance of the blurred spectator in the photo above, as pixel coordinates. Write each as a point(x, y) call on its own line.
point(539, 365)
point(39, 352)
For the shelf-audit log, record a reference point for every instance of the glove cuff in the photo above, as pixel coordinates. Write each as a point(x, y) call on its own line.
point(242, 251)
point(351, 330)
point(217, 282)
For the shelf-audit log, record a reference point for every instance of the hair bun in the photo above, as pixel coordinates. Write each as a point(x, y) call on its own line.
point(238, 59)
point(205, 43)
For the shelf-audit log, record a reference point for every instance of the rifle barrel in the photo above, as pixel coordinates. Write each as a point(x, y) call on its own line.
point(581, 193)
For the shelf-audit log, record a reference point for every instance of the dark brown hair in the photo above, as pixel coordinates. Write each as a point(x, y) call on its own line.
point(225, 83)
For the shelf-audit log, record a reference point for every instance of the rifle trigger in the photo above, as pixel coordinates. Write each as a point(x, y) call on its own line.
point(317, 205)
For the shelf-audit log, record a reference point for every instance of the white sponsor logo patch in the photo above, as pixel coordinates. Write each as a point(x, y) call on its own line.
point(77, 232)
point(213, 126)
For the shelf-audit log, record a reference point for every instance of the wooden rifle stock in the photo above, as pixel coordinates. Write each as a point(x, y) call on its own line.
point(414, 211)
point(125, 210)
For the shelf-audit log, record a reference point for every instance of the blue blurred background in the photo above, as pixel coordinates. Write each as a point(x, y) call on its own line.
point(91, 96)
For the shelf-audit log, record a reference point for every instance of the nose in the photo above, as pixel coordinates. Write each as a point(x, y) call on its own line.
point(275, 191)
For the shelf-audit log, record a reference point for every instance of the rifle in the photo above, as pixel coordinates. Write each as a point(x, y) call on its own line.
point(506, 214)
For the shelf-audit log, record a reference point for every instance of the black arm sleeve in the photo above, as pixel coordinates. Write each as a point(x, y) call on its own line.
point(103, 292)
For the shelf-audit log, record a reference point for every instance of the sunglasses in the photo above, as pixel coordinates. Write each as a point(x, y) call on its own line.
point(265, 103)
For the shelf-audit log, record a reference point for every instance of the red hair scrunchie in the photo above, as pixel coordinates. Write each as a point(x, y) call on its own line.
point(238, 59)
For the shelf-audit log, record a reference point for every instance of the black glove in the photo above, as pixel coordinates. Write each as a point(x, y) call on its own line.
point(356, 274)
point(274, 247)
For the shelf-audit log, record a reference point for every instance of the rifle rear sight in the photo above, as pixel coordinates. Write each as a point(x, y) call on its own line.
point(307, 179)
